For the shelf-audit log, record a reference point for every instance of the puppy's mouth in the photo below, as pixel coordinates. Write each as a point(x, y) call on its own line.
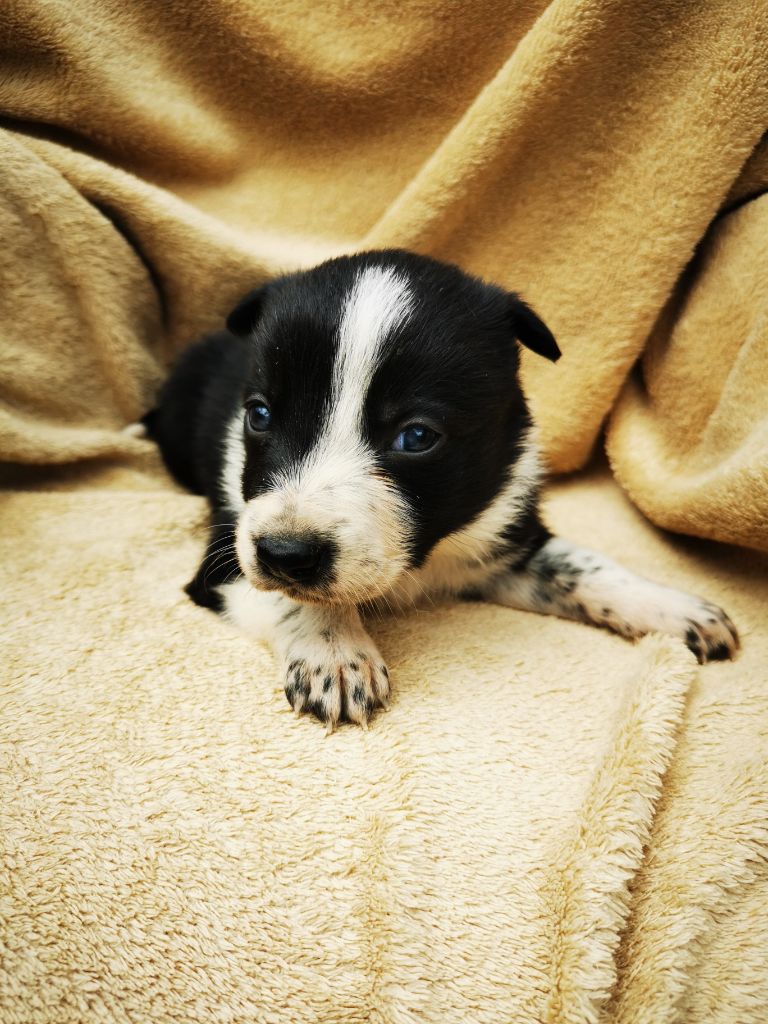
point(304, 593)
point(317, 594)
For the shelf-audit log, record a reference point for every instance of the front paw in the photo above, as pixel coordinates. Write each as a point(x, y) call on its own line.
point(708, 632)
point(339, 679)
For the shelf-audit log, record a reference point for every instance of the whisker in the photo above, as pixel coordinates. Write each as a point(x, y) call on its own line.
point(218, 556)
point(221, 566)
point(424, 592)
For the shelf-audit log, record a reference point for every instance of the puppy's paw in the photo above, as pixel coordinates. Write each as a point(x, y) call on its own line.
point(343, 678)
point(709, 633)
point(705, 628)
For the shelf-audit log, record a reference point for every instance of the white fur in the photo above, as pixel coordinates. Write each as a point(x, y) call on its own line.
point(137, 430)
point(379, 301)
point(254, 612)
point(234, 463)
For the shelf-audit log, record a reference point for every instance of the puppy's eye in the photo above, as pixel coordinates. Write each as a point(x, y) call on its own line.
point(258, 417)
point(416, 438)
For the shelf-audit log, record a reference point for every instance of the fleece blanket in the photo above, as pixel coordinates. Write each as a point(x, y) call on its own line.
point(549, 824)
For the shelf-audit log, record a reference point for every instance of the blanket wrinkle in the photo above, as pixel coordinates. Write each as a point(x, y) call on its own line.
point(594, 868)
point(550, 824)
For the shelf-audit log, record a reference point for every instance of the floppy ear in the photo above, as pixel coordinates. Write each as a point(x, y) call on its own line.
point(532, 332)
point(243, 317)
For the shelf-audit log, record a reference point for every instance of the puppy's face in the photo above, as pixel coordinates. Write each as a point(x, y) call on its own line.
point(381, 414)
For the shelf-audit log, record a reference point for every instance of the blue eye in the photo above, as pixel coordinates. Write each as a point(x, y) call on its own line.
point(416, 438)
point(258, 417)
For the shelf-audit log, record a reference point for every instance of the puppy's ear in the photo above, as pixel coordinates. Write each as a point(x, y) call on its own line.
point(531, 331)
point(243, 317)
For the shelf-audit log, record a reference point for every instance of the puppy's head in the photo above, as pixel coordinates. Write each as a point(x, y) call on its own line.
point(382, 413)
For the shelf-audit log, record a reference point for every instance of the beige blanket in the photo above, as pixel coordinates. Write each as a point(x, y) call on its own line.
point(550, 824)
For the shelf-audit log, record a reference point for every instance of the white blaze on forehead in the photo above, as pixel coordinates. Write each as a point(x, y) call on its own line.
point(231, 482)
point(378, 302)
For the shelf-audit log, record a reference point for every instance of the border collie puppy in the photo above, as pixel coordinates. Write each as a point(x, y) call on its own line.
point(361, 436)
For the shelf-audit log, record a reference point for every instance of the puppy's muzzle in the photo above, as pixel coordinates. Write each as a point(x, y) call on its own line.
point(293, 559)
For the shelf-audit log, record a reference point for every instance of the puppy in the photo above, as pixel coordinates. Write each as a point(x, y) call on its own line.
point(361, 436)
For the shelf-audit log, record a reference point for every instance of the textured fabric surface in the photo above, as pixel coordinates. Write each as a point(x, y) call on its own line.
point(692, 465)
point(550, 824)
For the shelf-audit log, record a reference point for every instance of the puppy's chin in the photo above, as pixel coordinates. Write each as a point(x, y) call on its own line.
point(319, 595)
point(305, 595)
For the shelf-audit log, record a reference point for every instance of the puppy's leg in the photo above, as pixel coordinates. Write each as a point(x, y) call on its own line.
point(562, 579)
point(330, 665)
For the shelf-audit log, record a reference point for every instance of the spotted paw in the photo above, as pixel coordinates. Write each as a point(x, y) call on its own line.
point(634, 606)
point(340, 679)
point(703, 626)
point(709, 633)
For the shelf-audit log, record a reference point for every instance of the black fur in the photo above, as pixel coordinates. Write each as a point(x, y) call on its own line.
point(194, 408)
point(219, 565)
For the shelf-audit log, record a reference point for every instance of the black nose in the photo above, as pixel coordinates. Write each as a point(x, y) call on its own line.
point(291, 559)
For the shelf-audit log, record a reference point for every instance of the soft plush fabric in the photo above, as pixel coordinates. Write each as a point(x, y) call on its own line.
point(550, 824)
point(689, 436)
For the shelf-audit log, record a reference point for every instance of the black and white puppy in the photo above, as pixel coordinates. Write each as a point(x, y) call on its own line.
point(360, 433)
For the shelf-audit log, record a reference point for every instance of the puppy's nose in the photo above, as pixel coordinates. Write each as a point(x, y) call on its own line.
point(290, 559)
